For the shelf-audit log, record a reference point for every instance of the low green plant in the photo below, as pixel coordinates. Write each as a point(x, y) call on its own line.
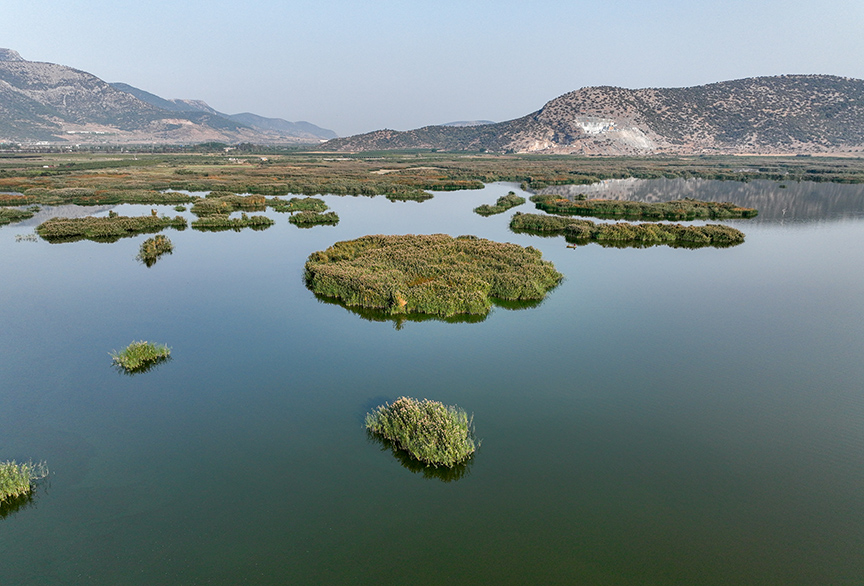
point(220, 222)
point(104, 229)
point(623, 233)
point(504, 203)
point(140, 356)
point(18, 479)
point(431, 274)
point(314, 218)
point(431, 432)
point(152, 248)
point(682, 209)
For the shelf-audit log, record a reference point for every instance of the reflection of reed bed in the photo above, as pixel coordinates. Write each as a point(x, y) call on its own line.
point(430, 274)
point(623, 233)
point(105, 229)
point(221, 222)
point(309, 219)
point(17, 480)
point(442, 473)
point(429, 431)
point(152, 248)
point(504, 203)
point(682, 209)
point(297, 204)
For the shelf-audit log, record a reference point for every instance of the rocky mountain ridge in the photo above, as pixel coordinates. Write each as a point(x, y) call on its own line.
point(789, 114)
point(52, 103)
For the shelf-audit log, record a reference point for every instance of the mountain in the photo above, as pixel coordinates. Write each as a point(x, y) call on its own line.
point(56, 104)
point(782, 114)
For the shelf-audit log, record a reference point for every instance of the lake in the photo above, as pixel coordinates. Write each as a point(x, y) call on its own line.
point(664, 416)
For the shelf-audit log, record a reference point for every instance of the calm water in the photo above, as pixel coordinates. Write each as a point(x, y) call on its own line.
point(665, 416)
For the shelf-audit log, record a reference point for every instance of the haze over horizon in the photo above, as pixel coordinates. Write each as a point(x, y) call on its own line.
point(355, 67)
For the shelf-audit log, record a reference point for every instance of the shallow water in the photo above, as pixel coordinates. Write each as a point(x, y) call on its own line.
point(665, 416)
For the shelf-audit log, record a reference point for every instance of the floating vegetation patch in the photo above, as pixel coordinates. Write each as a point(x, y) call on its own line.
point(12, 215)
point(140, 357)
point(430, 432)
point(298, 204)
point(623, 234)
point(105, 229)
point(681, 209)
point(504, 203)
point(179, 208)
point(152, 248)
point(223, 203)
point(430, 274)
point(219, 223)
point(309, 219)
point(17, 480)
point(418, 196)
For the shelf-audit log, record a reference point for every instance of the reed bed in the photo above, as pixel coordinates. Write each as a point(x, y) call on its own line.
point(152, 248)
point(12, 215)
point(681, 209)
point(140, 356)
point(431, 432)
point(88, 196)
point(17, 479)
point(504, 203)
point(105, 229)
point(297, 204)
point(583, 231)
point(222, 222)
point(418, 196)
point(429, 274)
point(220, 203)
point(308, 219)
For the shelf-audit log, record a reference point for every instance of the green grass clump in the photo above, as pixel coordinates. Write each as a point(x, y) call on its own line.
point(305, 219)
point(220, 222)
point(104, 229)
point(429, 274)
point(504, 203)
point(152, 248)
point(623, 233)
point(298, 204)
point(682, 209)
point(140, 356)
point(18, 479)
point(431, 432)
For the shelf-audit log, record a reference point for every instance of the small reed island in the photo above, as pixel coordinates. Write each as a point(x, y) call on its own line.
point(429, 274)
point(431, 432)
point(681, 209)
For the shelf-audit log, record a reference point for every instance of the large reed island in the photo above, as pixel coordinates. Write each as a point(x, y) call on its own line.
point(431, 432)
point(583, 231)
point(17, 479)
point(140, 356)
point(429, 274)
point(504, 203)
point(682, 209)
point(105, 229)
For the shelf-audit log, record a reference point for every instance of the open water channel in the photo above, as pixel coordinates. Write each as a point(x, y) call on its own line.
point(665, 416)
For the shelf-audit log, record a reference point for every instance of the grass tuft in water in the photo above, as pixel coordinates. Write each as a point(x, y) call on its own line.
point(140, 356)
point(152, 248)
point(309, 219)
point(431, 432)
point(17, 480)
point(504, 203)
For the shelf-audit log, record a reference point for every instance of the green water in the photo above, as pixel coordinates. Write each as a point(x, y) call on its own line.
point(665, 416)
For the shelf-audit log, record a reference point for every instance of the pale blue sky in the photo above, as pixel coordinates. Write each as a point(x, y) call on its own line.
point(360, 66)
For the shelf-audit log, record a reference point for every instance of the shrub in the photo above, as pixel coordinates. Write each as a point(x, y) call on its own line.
point(140, 356)
point(18, 479)
point(431, 432)
point(429, 274)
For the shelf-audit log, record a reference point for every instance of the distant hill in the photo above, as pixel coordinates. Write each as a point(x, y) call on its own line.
point(783, 114)
point(46, 102)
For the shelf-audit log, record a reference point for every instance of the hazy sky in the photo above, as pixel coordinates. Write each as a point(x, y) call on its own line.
point(355, 66)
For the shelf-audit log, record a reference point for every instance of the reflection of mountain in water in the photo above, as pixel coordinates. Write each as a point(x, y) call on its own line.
point(802, 202)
